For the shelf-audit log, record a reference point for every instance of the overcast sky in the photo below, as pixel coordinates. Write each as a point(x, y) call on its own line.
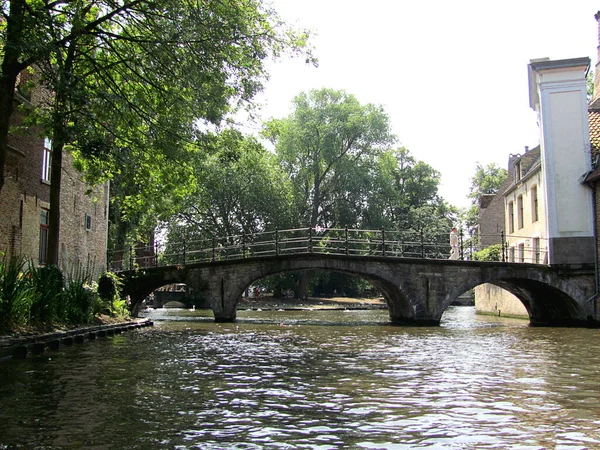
point(452, 75)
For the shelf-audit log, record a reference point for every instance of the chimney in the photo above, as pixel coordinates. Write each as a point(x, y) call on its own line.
point(597, 74)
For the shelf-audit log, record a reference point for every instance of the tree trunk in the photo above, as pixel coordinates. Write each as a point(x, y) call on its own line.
point(54, 219)
point(60, 138)
point(8, 79)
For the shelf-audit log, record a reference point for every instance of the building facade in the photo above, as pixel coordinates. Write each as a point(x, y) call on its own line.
point(548, 212)
point(24, 203)
point(526, 238)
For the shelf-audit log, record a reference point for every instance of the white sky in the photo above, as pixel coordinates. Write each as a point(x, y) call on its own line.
point(452, 75)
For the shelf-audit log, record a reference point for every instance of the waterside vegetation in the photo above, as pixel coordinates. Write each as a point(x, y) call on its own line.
point(36, 299)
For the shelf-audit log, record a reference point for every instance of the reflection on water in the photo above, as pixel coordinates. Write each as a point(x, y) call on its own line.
point(311, 379)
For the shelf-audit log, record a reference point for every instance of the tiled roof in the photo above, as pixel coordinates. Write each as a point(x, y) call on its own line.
point(594, 119)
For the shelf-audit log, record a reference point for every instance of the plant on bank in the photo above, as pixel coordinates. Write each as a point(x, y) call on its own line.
point(44, 297)
point(16, 293)
point(47, 283)
point(109, 289)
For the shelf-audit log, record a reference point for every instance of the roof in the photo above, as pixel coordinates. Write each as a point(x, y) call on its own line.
point(530, 164)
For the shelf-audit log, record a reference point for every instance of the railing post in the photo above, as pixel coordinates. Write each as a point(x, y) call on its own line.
point(346, 239)
point(471, 245)
point(503, 250)
point(461, 252)
point(213, 248)
point(243, 245)
point(310, 247)
point(277, 241)
point(383, 242)
point(422, 245)
point(184, 251)
point(131, 257)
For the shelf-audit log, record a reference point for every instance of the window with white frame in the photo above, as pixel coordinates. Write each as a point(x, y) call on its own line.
point(46, 160)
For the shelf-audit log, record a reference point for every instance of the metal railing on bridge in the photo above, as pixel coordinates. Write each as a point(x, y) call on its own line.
point(334, 241)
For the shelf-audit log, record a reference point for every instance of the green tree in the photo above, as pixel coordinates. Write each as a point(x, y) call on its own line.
point(486, 180)
point(325, 145)
point(240, 189)
point(399, 185)
point(136, 80)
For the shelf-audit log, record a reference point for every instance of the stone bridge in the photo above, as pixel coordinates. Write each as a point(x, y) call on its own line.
point(417, 291)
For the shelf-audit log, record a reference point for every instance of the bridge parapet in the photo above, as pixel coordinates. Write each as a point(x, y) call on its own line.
point(309, 240)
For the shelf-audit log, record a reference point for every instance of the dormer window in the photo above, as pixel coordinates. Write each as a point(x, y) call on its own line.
point(518, 173)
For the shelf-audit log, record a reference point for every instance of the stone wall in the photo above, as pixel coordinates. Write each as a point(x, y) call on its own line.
point(491, 299)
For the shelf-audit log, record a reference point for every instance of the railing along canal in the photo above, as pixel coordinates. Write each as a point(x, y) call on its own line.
point(333, 241)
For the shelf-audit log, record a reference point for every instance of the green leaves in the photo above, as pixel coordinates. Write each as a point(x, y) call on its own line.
point(329, 136)
point(487, 180)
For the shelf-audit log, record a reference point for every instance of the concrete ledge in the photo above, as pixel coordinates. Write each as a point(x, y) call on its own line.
point(22, 346)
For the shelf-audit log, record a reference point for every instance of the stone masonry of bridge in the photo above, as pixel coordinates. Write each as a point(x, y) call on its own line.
point(417, 291)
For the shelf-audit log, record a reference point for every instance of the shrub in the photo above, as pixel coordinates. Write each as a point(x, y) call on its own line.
point(109, 291)
point(491, 253)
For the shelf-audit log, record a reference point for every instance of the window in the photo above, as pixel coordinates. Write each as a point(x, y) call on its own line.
point(518, 173)
point(511, 254)
point(44, 226)
point(522, 253)
point(511, 217)
point(536, 250)
point(88, 222)
point(520, 211)
point(534, 204)
point(46, 160)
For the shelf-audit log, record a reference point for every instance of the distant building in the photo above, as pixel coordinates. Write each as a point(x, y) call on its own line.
point(24, 202)
point(526, 237)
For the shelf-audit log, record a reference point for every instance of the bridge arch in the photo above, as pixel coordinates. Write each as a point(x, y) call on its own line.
point(548, 298)
point(398, 303)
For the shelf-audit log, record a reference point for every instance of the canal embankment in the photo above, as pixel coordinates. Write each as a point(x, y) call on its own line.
point(23, 345)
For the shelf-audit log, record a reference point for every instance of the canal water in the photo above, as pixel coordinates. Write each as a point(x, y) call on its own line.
point(310, 380)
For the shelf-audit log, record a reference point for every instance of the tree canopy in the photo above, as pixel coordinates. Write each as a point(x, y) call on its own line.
point(326, 145)
point(487, 180)
point(131, 81)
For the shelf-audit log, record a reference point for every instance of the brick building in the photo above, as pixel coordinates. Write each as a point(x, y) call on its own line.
point(24, 202)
